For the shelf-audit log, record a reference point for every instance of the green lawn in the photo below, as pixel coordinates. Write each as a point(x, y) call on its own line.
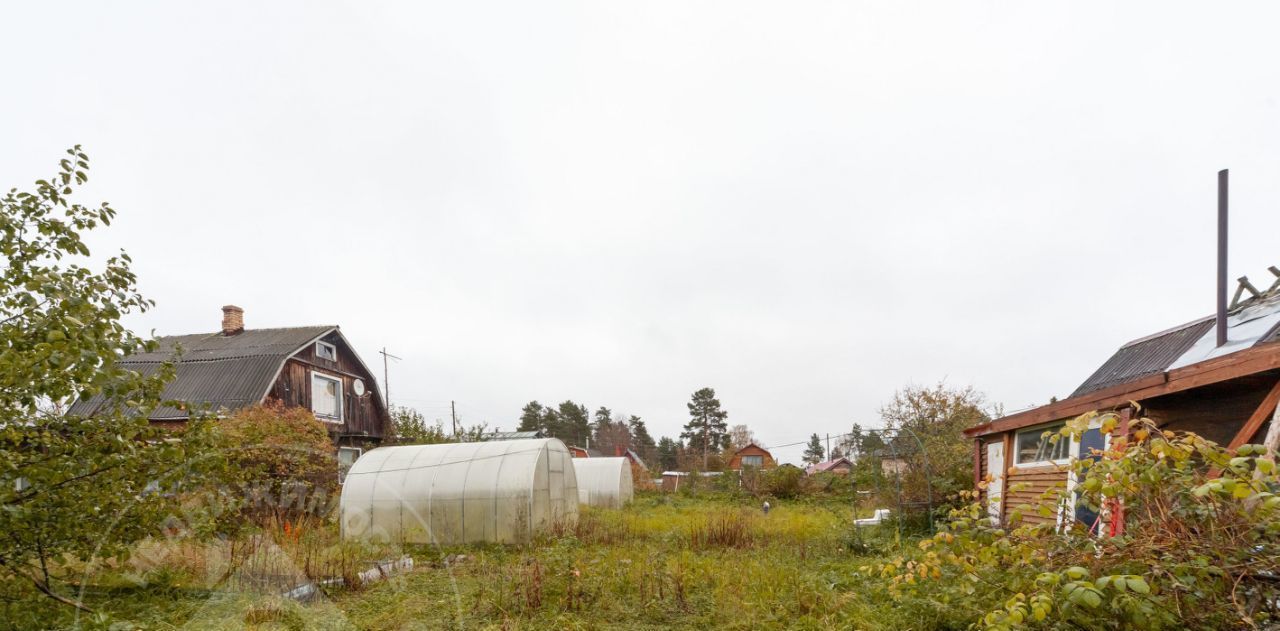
point(663, 562)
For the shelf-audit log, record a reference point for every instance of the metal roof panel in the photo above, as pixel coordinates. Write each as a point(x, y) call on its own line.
point(1147, 356)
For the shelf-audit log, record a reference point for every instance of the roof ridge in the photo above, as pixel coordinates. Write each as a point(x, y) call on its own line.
point(202, 360)
point(278, 328)
point(1172, 329)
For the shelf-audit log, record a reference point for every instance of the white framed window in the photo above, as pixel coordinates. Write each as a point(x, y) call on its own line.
point(325, 350)
point(1034, 446)
point(347, 456)
point(326, 397)
point(753, 461)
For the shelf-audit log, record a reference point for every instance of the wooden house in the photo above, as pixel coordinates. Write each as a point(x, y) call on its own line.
point(313, 367)
point(583, 452)
point(637, 463)
point(1217, 376)
point(896, 455)
point(752, 455)
point(639, 470)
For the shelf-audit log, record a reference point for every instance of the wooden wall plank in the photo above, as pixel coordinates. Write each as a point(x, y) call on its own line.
point(1259, 415)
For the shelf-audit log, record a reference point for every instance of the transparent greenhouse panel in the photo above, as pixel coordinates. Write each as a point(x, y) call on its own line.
point(604, 482)
point(497, 491)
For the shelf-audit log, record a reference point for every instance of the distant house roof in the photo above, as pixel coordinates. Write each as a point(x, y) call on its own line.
point(898, 446)
point(630, 453)
point(619, 450)
point(1253, 322)
point(750, 446)
point(227, 372)
point(827, 466)
point(512, 435)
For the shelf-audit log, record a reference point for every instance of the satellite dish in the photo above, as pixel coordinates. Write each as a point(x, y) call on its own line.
point(358, 387)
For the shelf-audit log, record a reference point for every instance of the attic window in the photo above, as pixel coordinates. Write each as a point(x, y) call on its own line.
point(325, 350)
point(326, 397)
point(753, 461)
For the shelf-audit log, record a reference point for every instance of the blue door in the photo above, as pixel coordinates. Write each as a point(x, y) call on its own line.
point(1090, 441)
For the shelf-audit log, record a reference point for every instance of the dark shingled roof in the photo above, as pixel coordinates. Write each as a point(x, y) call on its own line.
point(1150, 355)
point(222, 371)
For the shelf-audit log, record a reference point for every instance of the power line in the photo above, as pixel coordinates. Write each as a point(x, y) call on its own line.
point(872, 430)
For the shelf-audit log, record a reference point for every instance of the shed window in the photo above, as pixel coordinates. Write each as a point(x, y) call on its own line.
point(347, 456)
point(325, 350)
point(326, 397)
point(753, 461)
point(1035, 446)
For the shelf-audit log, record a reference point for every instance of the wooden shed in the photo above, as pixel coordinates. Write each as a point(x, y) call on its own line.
point(1182, 378)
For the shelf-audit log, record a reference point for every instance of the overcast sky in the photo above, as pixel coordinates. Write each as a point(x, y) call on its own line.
point(803, 205)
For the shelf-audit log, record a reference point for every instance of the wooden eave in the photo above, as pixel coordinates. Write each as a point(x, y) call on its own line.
point(1241, 363)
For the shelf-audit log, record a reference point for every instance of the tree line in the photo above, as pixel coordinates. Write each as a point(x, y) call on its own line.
point(705, 443)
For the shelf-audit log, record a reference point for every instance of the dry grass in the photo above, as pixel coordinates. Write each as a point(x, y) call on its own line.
point(724, 529)
point(662, 562)
point(277, 558)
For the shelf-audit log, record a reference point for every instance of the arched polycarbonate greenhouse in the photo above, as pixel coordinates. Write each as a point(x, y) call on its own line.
point(604, 481)
point(502, 491)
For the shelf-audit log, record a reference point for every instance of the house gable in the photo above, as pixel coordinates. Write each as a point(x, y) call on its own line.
point(363, 413)
point(735, 463)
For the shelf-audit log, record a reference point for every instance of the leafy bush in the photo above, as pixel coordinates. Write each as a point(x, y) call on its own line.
point(1201, 547)
point(72, 488)
point(927, 427)
point(284, 462)
point(784, 482)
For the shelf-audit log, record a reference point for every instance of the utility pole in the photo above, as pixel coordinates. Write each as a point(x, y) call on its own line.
point(828, 446)
point(386, 385)
point(453, 414)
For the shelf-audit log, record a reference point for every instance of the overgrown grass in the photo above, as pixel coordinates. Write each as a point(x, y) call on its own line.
point(663, 562)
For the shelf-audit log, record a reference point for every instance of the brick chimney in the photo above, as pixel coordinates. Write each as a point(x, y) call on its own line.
point(232, 320)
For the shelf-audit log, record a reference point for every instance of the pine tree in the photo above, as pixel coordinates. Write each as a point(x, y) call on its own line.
point(604, 416)
point(813, 453)
point(668, 453)
point(532, 417)
point(552, 424)
point(573, 424)
point(707, 429)
point(611, 432)
point(641, 441)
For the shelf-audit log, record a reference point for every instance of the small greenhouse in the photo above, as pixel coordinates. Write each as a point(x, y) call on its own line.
point(500, 491)
point(604, 481)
